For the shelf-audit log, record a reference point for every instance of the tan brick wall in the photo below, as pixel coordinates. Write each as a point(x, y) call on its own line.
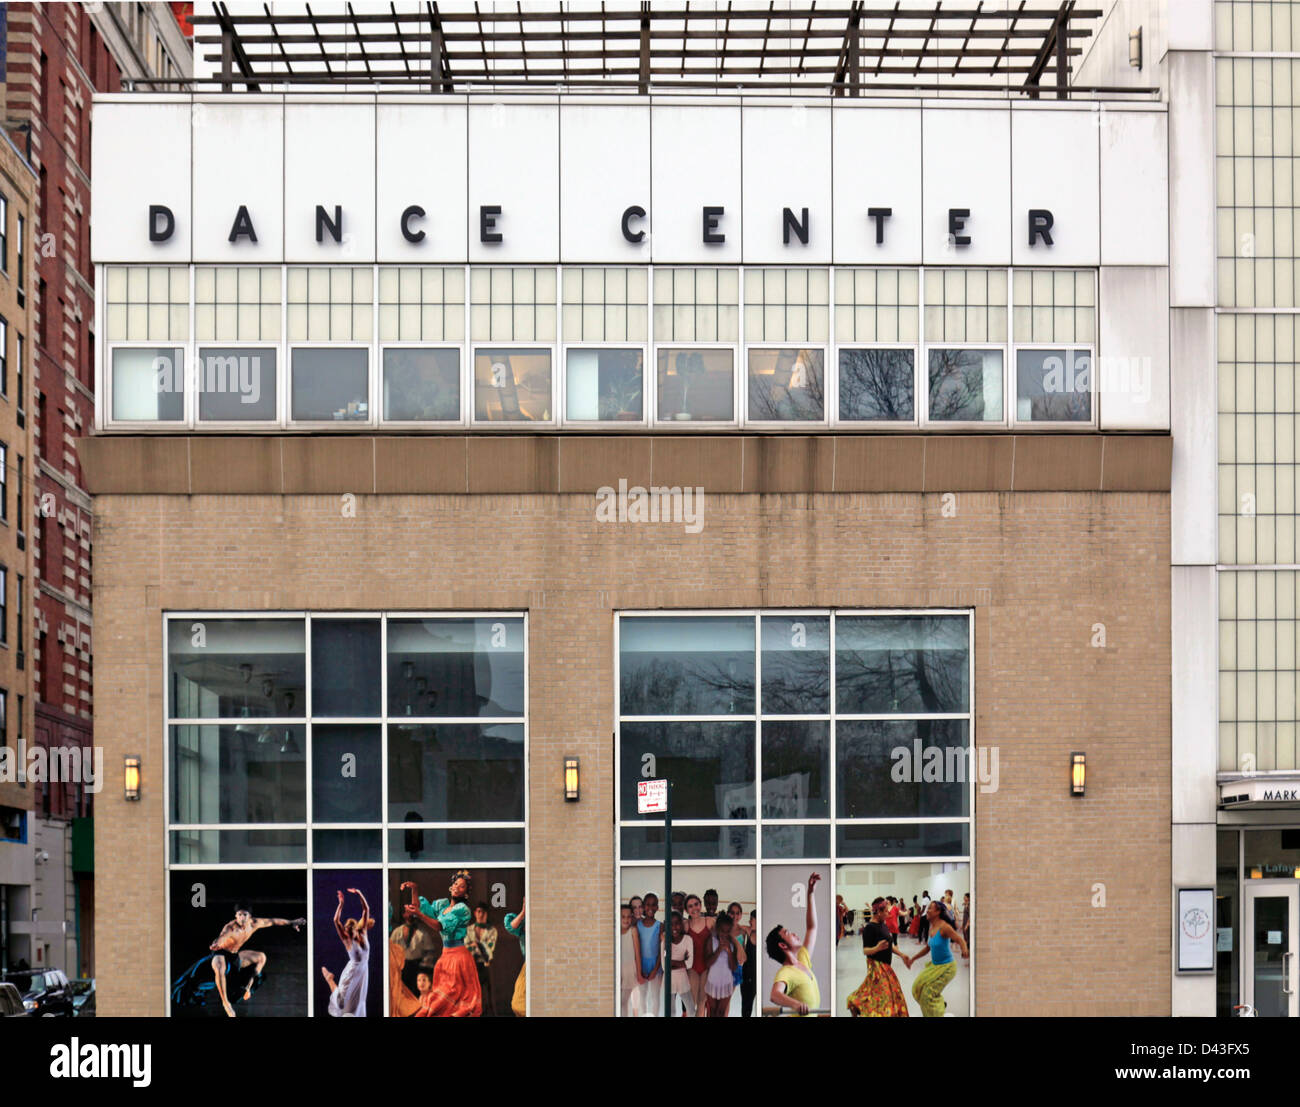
point(1040, 569)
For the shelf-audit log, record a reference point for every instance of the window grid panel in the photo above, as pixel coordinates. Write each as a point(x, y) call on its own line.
point(1259, 641)
point(1258, 446)
point(605, 304)
point(237, 304)
point(1054, 305)
point(330, 304)
point(966, 305)
point(147, 303)
point(877, 305)
point(696, 305)
point(787, 305)
point(421, 304)
point(513, 304)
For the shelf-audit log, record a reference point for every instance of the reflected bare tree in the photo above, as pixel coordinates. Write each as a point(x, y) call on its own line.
point(957, 385)
point(876, 384)
point(794, 390)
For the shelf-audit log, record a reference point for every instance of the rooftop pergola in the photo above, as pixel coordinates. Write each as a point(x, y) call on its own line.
point(842, 50)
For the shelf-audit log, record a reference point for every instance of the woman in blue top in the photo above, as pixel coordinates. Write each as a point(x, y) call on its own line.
point(650, 934)
point(456, 991)
point(930, 982)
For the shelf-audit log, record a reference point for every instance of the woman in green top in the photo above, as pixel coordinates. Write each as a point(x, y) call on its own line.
point(455, 992)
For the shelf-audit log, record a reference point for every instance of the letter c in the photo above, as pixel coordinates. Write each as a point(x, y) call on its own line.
point(636, 211)
point(413, 212)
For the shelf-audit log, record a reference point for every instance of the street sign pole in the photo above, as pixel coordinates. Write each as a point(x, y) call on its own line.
point(668, 902)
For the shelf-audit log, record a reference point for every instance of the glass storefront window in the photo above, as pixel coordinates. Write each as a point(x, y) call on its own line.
point(512, 386)
point(330, 384)
point(236, 668)
point(374, 802)
point(696, 385)
point(766, 806)
point(787, 384)
point(877, 385)
point(604, 385)
point(421, 384)
point(1053, 386)
point(237, 383)
point(1227, 923)
point(965, 385)
point(148, 384)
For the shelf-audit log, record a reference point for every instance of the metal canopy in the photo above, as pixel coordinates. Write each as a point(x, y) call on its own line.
point(842, 50)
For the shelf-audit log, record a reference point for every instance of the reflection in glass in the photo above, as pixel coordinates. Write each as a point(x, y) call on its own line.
point(461, 846)
point(694, 665)
point(966, 385)
point(711, 766)
point(902, 840)
point(604, 385)
point(787, 384)
point(796, 664)
point(796, 769)
point(330, 383)
point(907, 664)
point(512, 386)
point(453, 668)
point(345, 781)
point(792, 841)
point(1053, 386)
point(235, 668)
point(456, 773)
point(236, 382)
point(267, 847)
point(877, 384)
point(347, 845)
point(250, 772)
point(690, 843)
point(421, 384)
point(149, 383)
point(1271, 943)
point(345, 667)
point(696, 385)
point(915, 768)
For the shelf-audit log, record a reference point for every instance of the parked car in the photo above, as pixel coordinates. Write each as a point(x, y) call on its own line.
point(83, 999)
point(11, 1002)
point(46, 992)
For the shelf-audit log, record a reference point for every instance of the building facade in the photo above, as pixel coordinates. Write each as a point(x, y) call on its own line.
point(57, 57)
point(753, 443)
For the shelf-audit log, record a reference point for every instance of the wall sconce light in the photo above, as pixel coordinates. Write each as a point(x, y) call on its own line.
point(131, 776)
point(1078, 773)
point(571, 781)
point(1135, 48)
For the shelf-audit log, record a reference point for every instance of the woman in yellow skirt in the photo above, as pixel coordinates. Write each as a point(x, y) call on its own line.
point(515, 926)
point(927, 988)
point(879, 995)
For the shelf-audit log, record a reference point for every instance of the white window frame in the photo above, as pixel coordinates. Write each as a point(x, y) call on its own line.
point(462, 418)
point(736, 387)
point(317, 424)
point(512, 424)
point(643, 349)
point(875, 425)
point(1065, 348)
point(788, 424)
point(964, 424)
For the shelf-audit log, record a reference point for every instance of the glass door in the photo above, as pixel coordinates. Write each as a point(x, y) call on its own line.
point(1271, 917)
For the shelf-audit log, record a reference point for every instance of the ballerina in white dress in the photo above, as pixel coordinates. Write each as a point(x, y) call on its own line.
point(348, 994)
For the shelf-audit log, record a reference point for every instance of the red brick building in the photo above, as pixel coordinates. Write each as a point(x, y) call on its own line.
point(57, 56)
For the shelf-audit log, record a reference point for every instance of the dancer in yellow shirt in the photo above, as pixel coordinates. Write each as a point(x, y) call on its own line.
point(795, 985)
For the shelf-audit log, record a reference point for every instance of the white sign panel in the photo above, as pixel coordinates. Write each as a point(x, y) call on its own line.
point(1196, 932)
point(651, 797)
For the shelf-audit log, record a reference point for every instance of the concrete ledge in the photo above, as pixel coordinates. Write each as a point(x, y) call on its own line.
point(515, 464)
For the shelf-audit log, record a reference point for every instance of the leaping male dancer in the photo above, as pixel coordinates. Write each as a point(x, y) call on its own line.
point(229, 958)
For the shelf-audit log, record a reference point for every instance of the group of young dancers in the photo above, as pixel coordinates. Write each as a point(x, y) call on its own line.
point(711, 954)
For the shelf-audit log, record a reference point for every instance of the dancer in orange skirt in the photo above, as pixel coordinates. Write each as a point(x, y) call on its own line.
point(456, 992)
point(879, 995)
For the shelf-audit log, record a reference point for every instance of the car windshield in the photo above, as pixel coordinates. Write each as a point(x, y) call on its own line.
point(26, 981)
point(81, 987)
